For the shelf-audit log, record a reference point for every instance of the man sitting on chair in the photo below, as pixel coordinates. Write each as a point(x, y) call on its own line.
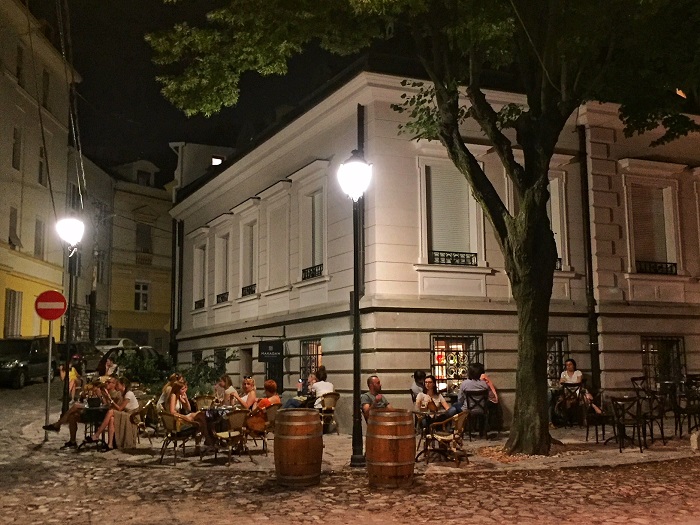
point(374, 398)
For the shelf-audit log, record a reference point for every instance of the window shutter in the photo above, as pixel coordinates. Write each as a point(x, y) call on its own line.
point(448, 193)
point(649, 224)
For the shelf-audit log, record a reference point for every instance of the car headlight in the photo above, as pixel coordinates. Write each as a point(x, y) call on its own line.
point(10, 364)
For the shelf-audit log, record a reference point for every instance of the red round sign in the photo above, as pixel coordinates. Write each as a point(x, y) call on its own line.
point(50, 305)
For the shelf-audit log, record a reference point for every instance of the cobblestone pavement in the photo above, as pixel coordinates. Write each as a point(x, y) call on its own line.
point(579, 484)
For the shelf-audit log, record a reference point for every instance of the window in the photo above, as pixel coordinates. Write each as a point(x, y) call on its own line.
point(221, 267)
point(14, 233)
point(17, 148)
point(39, 236)
point(144, 239)
point(42, 176)
point(74, 199)
point(19, 66)
point(557, 352)
point(309, 358)
point(45, 87)
point(663, 359)
point(278, 246)
point(314, 242)
point(653, 251)
point(200, 276)
point(196, 356)
point(13, 313)
point(451, 355)
point(451, 215)
point(141, 296)
point(220, 360)
point(249, 258)
point(143, 178)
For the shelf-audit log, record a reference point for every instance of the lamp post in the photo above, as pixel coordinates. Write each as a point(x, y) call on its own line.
point(70, 230)
point(354, 176)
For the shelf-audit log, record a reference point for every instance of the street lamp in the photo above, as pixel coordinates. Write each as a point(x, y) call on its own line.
point(70, 230)
point(354, 176)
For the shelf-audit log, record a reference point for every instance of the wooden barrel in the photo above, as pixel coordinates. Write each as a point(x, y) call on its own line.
point(391, 448)
point(298, 447)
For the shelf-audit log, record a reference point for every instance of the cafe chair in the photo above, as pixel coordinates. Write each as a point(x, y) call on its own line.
point(627, 413)
point(447, 438)
point(652, 410)
point(595, 419)
point(571, 404)
point(476, 402)
point(686, 409)
point(142, 416)
point(640, 385)
point(328, 403)
point(178, 432)
point(236, 435)
point(270, 417)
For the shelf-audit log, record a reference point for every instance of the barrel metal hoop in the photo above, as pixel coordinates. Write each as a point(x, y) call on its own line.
point(390, 463)
point(393, 423)
point(296, 423)
point(306, 436)
point(387, 436)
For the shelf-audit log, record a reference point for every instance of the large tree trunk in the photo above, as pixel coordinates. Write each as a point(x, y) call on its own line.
point(530, 265)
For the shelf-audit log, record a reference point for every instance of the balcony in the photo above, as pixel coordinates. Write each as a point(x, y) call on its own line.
point(199, 304)
point(248, 290)
point(456, 258)
point(144, 258)
point(311, 272)
point(222, 297)
point(658, 268)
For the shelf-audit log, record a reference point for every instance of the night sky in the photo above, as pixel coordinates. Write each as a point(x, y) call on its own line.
point(122, 114)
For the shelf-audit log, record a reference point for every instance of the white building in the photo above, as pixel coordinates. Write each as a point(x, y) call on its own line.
point(34, 108)
point(266, 252)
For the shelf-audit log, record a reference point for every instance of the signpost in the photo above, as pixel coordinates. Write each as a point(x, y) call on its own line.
point(50, 305)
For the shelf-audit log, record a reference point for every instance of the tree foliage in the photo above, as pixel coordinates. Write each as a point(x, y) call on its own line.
point(560, 53)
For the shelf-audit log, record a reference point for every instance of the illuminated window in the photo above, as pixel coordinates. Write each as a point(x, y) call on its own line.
point(451, 355)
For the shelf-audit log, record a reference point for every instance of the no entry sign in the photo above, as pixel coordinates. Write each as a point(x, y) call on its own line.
point(50, 305)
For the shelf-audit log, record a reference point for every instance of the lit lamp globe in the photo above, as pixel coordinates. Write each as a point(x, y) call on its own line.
point(70, 230)
point(354, 175)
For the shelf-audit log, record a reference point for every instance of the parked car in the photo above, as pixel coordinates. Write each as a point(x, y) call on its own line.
point(25, 358)
point(113, 342)
point(86, 354)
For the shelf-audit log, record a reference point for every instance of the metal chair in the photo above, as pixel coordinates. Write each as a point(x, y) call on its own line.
point(328, 403)
point(571, 404)
point(686, 408)
point(640, 385)
point(652, 411)
point(627, 414)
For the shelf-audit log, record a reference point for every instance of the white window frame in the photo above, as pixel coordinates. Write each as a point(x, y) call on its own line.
point(199, 273)
point(13, 313)
point(476, 215)
point(310, 180)
point(142, 289)
point(663, 176)
point(222, 266)
point(248, 214)
point(277, 198)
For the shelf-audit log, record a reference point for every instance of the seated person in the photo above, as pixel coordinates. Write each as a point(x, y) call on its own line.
point(258, 416)
point(103, 391)
point(478, 380)
point(179, 406)
point(74, 379)
point(374, 398)
point(430, 400)
point(417, 386)
point(226, 389)
point(248, 398)
point(572, 375)
point(128, 403)
point(321, 386)
point(164, 398)
point(304, 393)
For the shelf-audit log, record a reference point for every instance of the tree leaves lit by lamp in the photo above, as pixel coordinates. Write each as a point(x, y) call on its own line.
point(354, 175)
point(70, 230)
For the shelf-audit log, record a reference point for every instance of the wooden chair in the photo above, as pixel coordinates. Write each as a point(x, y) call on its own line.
point(446, 438)
point(328, 403)
point(476, 402)
point(142, 416)
point(236, 435)
point(270, 414)
point(178, 432)
point(627, 413)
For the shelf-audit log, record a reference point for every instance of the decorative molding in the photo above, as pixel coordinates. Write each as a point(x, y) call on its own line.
point(278, 189)
point(650, 167)
point(312, 168)
point(247, 205)
point(221, 219)
point(198, 232)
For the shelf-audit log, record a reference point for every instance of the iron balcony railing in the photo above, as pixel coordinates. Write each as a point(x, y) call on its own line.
point(248, 290)
point(661, 268)
point(458, 258)
point(311, 272)
point(222, 297)
point(199, 304)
